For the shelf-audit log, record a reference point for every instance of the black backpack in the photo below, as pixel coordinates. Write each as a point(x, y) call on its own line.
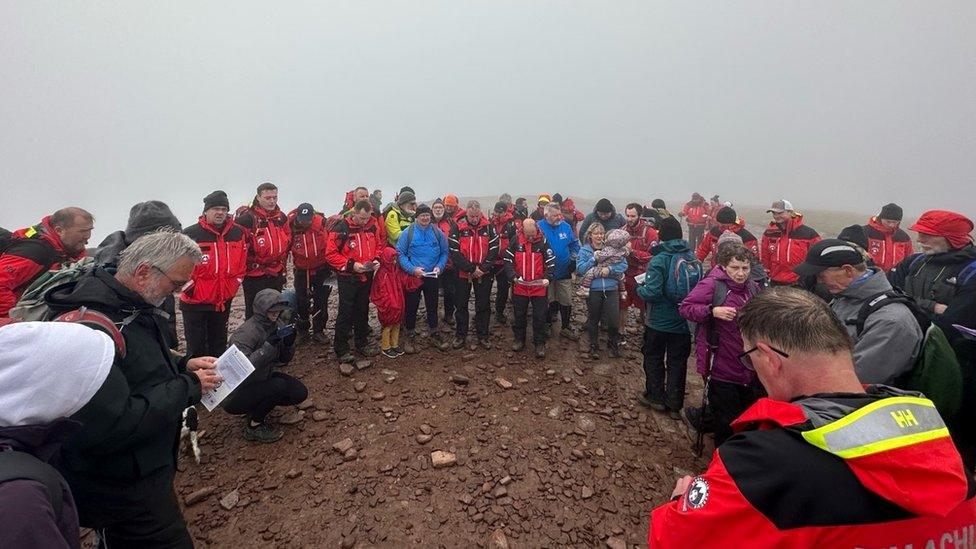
point(16, 465)
point(6, 237)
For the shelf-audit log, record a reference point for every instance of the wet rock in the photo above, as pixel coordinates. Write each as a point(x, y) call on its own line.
point(199, 495)
point(343, 445)
point(440, 459)
point(230, 500)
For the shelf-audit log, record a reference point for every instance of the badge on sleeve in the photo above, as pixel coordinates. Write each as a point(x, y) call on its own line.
point(697, 495)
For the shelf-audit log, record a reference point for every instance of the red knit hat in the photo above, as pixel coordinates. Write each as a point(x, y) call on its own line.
point(952, 226)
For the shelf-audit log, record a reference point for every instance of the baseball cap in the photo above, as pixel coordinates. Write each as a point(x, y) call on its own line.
point(305, 213)
point(780, 206)
point(831, 252)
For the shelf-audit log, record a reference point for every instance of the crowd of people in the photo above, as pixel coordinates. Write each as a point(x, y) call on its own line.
point(839, 374)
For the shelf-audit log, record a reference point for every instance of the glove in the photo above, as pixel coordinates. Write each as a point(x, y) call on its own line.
point(281, 333)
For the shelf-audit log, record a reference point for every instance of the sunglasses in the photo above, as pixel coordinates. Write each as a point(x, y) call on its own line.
point(746, 360)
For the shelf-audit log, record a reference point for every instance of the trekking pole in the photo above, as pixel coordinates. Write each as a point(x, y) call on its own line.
point(711, 349)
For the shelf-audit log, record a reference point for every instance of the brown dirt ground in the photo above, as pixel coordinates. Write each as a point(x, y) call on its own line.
point(565, 457)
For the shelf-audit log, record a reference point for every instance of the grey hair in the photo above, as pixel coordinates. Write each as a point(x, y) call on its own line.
point(554, 206)
point(160, 249)
point(474, 203)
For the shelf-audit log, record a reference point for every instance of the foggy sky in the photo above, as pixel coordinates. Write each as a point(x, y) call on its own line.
point(841, 105)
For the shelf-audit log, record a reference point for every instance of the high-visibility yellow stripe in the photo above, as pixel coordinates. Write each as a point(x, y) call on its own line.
point(892, 443)
point(30, 232)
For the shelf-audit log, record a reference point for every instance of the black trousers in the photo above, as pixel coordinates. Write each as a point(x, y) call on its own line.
point(482, 305)
point(728, 401)
point(501, 293)
point(132, 513)
point(259, 398)
point(605, 306)
point(520, 306)
point(449, 282)
point(428, 288)
point(666, 384)
point(353, 312)
point(695, 235)
point(254, 284)
point(313, 299)
point(205, 331)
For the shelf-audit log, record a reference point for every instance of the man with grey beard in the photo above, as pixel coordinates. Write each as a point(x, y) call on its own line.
point(121, 463)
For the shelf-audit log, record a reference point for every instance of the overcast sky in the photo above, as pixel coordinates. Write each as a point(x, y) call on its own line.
point(842, 105)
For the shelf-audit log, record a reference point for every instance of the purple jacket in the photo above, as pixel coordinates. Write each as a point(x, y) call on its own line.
point(26, 517)
point(696, 308)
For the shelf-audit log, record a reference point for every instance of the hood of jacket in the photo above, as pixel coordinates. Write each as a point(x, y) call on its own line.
point(97, 288)
point(46, 232)
point(861, 289)
point(220, 231)
point(266, 299)
point(108, 251)
point(388, 258)
point(500, 221)
point(875, 224)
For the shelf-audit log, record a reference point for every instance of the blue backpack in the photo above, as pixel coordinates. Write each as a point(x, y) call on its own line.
point(684, 272)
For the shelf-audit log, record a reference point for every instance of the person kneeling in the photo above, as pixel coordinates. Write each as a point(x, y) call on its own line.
point(267, 342)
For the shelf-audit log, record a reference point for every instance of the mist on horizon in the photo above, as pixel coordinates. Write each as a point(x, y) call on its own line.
point(834, 105)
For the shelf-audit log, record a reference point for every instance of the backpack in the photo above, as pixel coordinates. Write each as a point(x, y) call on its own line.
point(719, 295)
point(936, 372)
point(684, 272)
point(439, 234)
point(32, 305)
point(15, 465)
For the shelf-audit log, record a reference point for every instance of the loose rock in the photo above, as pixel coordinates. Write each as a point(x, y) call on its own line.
point(503, 383)
point(440, 459)
point(199, 495)
point(343, 445)
point(230, 500)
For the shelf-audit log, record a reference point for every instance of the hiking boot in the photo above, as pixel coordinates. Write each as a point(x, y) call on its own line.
point(568, 333)
point(485, 344)
point(540, 350)
point(457, 343)
point(644, 400)
point(262, 433)
point(518, 345)
point(320, 338)
point(369, 351)
point(390, 353)
point(347, 358)
point(438, 340)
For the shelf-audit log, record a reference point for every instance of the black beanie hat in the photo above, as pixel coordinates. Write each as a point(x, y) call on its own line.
point(422, 209)
point(658, 203)
point(149, 216)
point(557, 198)
point(500, 207)
point(855, 235)
point(670, 229)
point(214, 199)
point(604, 206)
point(726, 216)
point(891, 211)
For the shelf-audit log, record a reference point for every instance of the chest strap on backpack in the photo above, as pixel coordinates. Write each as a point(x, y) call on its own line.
point(16, 465)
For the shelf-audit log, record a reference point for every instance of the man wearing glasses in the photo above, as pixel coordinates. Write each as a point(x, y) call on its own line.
point(823, 461)
point(205, 301)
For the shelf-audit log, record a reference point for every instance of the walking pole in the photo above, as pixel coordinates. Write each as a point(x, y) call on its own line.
point(711, 349)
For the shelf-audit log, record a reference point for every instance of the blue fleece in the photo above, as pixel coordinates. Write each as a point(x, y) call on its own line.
point(428, 248)
point(586, 261)
point(563, 244)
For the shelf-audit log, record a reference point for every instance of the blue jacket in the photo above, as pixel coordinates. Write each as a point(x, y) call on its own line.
point(564, 245)
point(585, 262)
point(428, 248)
point(662, 315)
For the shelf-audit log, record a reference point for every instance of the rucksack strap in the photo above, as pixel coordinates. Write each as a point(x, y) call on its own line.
point(16, 465)
point(883, 299)
point(966, 274)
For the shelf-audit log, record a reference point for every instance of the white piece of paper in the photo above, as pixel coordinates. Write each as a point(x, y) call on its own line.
point(640, 278)
point(234, 367)
point(431, 274)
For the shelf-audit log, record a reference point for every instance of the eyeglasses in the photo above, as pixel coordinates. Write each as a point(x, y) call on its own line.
point(176, 285)
point(746, 360)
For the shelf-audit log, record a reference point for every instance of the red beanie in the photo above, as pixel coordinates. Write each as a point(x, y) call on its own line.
point(952, 226)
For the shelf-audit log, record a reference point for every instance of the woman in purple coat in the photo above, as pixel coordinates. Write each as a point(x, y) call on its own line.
point(714, 304)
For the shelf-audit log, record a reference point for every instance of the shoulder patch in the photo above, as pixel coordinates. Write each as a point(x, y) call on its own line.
point(697, 495)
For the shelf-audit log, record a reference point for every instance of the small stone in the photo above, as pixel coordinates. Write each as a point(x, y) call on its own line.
point(503, 383)
point(292, 417)
point(293, 473)
point(440, 459)
point(426, 429)
point(348, 543)
point(505, 481)
point(230, 500)
point(305, 405)
point(521, 380)
point(614, 542)
point(587, 492)
point(377, 395)
point(498, 540)
point(199, 495)
point(500, 492)
point(360, 386)
point(586, 423)
point(460, 380)
point(424, 439)
point(599, 452)
point(346, 369)
point(343, 445)
point(555, 412)
point(320, 415)
point(350, 455)
point(550, 372)
point(363, 364)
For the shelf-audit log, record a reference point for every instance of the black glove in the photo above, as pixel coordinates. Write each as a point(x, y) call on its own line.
point(281, 333)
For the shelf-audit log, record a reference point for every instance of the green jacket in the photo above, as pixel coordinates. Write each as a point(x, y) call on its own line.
point(662, 313)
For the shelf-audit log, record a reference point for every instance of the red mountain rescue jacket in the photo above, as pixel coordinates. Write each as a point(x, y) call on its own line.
point(386, 294)
point(473, 245)
point(270, 240)
point(529, 260)
point(782, 249)
point(446, 224)
point(350, 243)
point(217, 277)
point(886, 246)
point(834, 470)
point(505, 229)
point(642, 237)
point(708, 247)
point(696, 213)
point(308, 245)
point(30, 253)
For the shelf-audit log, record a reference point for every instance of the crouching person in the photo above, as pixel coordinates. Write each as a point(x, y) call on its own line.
point(267, 342)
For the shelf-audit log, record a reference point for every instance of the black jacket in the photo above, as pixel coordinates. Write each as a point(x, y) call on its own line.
point(132, 424)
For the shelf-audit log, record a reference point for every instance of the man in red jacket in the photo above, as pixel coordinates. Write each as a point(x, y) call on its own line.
point(57, 241)
point(887, 243)
point(474, 247)
point(308, 242)
point(449, 278)
point(205, 301)
point(530, 265)
point(353, 250)
point(267, 256)
point(727, 221)
point(642, 237)
point(571, 215)
point(713, 207)
point(785, 243)
point(823, 461)
point(504, 223)
point(695, 213)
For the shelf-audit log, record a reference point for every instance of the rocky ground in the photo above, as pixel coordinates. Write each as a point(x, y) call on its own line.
point(445, 449)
